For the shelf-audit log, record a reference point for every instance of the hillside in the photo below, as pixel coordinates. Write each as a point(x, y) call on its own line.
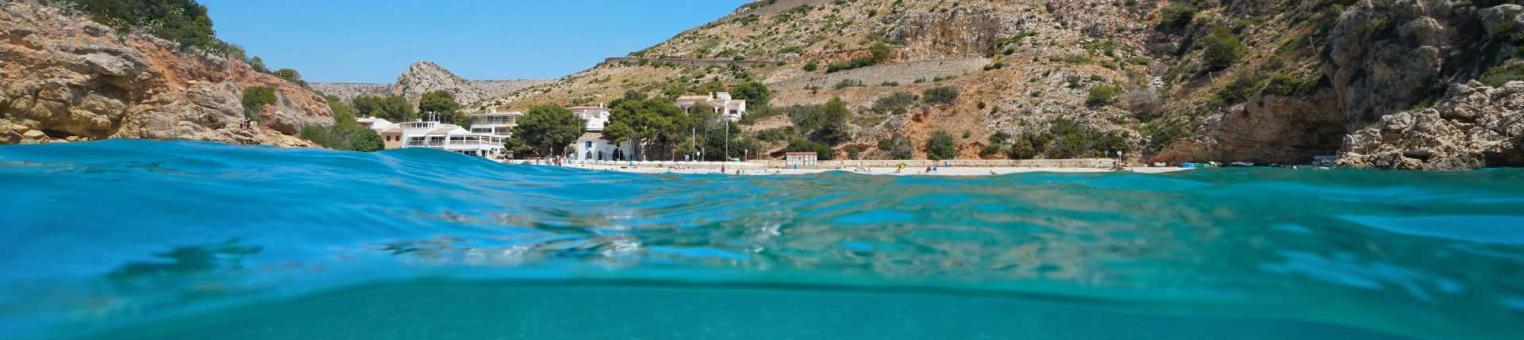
point(423, 77)
point(1387, 83)
point(68, 77)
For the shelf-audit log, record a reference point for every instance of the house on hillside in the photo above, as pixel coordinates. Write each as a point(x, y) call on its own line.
point(595, 116)
point(722, 103)
point(591, 146)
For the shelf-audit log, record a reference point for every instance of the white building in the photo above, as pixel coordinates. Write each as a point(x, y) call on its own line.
point(596, 116)
point(373, 123)
point(721, 102)
point(592, 147)
point(797, 159)
point(436, 135)
point(495, 123)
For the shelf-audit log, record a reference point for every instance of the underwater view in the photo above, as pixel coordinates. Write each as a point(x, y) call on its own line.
point(129, 239)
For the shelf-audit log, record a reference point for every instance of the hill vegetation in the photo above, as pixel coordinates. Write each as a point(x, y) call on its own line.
point(1265, 81)
point(182, 21)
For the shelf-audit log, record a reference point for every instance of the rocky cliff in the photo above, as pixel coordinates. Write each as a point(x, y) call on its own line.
point(424, 77)
point(1420, 84)
point(65, 77)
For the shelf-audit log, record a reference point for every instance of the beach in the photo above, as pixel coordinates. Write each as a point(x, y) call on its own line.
point(759, 169)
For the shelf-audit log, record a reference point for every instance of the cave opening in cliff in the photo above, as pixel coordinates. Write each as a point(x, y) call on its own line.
point(1508, 158)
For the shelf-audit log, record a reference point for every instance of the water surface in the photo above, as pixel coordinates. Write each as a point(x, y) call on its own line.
point(154, 240)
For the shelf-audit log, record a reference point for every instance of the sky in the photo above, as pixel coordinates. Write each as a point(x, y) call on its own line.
point(372, 41)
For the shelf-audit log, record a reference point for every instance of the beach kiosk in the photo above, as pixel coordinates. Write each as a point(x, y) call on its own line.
point(798, 159)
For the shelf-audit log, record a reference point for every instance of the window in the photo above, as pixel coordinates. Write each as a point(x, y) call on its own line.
point(587, 145)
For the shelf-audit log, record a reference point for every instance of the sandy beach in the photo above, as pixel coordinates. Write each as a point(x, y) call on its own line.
point(753, 169)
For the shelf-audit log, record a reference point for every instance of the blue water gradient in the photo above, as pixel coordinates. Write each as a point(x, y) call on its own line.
point(152, 240)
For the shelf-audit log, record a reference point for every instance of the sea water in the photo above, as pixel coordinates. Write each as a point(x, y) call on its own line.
point(132, 239)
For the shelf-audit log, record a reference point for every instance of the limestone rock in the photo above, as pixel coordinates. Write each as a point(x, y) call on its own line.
point(421, 79)
point(1480, 126)
point(424, 77)
point(77, 80)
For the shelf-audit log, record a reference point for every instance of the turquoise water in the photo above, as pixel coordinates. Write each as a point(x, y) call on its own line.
point(162, 240)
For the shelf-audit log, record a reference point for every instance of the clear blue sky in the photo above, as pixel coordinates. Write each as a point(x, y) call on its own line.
point(374, 40)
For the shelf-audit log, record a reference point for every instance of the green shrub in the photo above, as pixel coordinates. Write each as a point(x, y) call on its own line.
point(1161, 134)
point(1070, 139)
point(255, 98)
point(821, 150)
point(898, 147)
point(845, 83)
point(775, 134)
point(345, 133)
point(754, 92)
point(442, 104)
point(879, 53)
point(258, 65)
point(1286, 85)
point(1238, 91)
point(941, 146)
point(182, 21)
point(1502, 74)
point(811, 66)
point(1027, 146)
point(858, 62)
point(992, 151)
point(1221, 49)
point(940, 95)
point(1176, 16)
point(897, 103)
point(1102, 95)
point(392, 108)
point(1015, 39)
point(290, 75)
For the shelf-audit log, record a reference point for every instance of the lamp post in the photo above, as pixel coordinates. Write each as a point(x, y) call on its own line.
point(727, 140)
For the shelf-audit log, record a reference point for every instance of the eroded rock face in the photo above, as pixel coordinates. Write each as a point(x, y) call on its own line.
point(1386, 57)
point(424, 77)
point(1480, 126)
point(972, 29)
point(1278, 129)
point(73, 79)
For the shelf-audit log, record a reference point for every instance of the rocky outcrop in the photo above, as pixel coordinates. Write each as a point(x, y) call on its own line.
point(424, 77)
point(1387, 57)
point(1385, 85)
point(1265, 81)
point(348, 91)
point(1479, 126)
point(971, 29)
point(1273, 130)
point(66, 78)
